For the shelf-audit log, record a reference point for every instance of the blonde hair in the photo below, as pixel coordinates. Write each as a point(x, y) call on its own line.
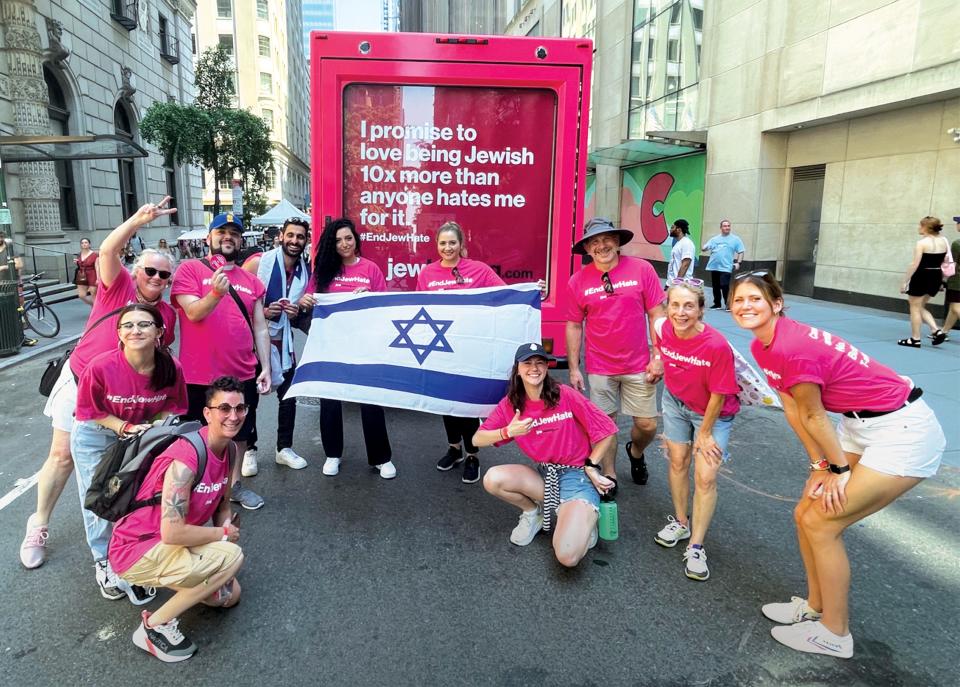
point(147, 252)
point(455, 228)
point(695, 290)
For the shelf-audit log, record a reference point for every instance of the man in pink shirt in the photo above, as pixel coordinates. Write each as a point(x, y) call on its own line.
point(219, 336)
point(615, 300)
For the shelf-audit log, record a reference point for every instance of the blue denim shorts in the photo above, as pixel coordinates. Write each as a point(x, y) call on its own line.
point(681, 423)
point(575, 485)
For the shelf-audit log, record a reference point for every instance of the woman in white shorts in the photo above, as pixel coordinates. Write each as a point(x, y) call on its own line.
point(886, 443)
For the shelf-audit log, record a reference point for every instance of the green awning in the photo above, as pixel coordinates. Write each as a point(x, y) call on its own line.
point(53, 148)
point(639, 151)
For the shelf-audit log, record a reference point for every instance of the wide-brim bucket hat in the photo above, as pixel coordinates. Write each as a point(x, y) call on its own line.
point(601, 225)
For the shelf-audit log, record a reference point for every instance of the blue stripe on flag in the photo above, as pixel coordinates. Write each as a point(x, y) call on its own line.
point(492, 298)
point(450, 387)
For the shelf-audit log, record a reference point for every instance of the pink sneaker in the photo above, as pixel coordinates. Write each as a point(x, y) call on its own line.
point(33, 550)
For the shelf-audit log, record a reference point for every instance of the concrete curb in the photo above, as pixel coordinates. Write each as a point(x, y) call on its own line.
point(31, 353)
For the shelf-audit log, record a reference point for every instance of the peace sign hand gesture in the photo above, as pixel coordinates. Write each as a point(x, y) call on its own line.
point(149, 212)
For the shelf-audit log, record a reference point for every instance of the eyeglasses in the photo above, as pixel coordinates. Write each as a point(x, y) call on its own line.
point(607, 284)
point(687, 281)
point(227, 409)
point(456, 275)
point(153, 272)
point(754, 273)
point(142, 326)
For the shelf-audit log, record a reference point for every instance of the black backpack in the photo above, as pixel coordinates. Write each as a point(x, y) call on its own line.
point(124, 466)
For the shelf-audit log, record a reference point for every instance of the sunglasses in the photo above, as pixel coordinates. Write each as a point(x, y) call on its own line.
point(299, 222)
point(456, 275)
point(754, 273)
point(607, 284)
point(142, 326)
point(153, 272)
point(687, 281)
point(227, 409)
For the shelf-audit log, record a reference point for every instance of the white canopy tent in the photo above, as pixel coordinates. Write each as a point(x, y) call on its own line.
point(278, 214)
point(193, 235)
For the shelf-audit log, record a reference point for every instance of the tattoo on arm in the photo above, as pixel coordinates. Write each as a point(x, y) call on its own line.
point(176, 492)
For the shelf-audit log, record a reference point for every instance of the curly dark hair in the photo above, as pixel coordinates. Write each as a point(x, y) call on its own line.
point(550, 394)
point(328, 263)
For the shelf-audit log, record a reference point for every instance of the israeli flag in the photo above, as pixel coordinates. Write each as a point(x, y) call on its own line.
point(444, 352)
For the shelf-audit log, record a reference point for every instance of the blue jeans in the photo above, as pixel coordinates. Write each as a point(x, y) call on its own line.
point(88, 441)
point(681, 423)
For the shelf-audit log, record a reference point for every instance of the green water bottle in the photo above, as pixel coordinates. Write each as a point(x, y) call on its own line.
point(609, 520)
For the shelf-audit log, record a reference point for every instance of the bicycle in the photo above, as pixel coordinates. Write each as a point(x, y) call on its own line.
point(36, 314)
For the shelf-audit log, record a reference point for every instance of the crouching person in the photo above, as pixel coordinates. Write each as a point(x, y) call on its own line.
point(186, 542)
point(566, 436)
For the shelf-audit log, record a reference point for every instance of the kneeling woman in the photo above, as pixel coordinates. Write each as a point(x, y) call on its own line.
point(699, 402)
point(566, 435)
point(886, 443)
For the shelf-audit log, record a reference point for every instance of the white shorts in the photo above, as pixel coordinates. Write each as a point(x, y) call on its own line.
point(906, 443)
point(62, 402)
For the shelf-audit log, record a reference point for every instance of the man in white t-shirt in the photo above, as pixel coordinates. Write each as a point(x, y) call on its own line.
point(683, 253)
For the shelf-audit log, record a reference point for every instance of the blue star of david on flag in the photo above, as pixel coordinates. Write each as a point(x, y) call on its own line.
point(421, 351)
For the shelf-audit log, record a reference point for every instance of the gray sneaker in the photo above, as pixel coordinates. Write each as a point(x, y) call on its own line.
point(247, 498)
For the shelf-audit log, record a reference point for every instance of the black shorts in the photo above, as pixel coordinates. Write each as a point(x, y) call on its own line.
point(953, 296)
point(197, 399)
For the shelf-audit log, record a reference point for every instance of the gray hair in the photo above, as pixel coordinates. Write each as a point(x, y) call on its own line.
point(147, 252)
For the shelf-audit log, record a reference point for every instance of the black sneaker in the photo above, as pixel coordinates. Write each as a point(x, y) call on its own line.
point(638, 466)
point(139, 595)
point(453, 456)
point(471, 470)
point(107, 581)
point(716, 307)
point(166, 642)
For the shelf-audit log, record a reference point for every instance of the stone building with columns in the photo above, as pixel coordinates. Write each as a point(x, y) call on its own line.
point(92, 68)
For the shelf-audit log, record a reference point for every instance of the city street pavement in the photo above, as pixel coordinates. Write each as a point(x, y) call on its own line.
point(354, 580)
point(72, 314)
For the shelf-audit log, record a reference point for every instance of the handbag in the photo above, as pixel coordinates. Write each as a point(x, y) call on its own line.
point(54, 368)
point(949, 266)
point(80, 277)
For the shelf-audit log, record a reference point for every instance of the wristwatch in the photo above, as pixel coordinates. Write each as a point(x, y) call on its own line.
point(820, 465)
point(588, 464)
point(839, 469)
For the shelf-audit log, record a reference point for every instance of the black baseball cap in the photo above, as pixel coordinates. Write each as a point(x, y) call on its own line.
point(957, 219)
point(530, 350)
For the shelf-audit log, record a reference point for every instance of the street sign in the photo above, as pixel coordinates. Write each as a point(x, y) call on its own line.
point(237, 198)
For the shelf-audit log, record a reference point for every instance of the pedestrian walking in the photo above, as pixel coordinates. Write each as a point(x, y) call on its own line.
point(188, 541)
point(683, 254)
point(85, 275)
point(699, 405)
point(613, 304)
point(887, 441)
point(339, 268)
point(952, 300)
point(117, 288)
point(924, 279)
point(455, 271)
point(120, 393)
point(223, 333)
point(726, 256)
point(566, 436)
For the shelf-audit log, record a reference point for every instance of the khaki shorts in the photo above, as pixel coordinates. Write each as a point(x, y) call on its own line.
point(166, 565)
point(632, 395)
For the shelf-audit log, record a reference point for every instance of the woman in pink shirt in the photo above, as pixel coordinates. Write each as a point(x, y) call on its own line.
point(566, 436)
point(339, 268)
point(699, 404)
point(887, 441)
point(455, 271)
point(120, 393)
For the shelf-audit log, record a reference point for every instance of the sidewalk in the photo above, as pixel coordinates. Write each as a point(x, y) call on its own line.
point(73, 316)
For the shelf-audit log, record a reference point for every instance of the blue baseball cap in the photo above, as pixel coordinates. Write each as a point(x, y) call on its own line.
point(225, 218)
point(957, 219)
point(527, 351)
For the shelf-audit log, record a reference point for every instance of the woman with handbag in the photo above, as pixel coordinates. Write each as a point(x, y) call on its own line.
point(120, 393)
point(924, 279)
point(952, 300)
point(85, 277)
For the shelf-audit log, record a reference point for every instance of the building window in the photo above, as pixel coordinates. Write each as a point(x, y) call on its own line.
point(268, 117)
point(263, 10)
point(127, 173)
point(59, 126)
point(226, 42)
point(170, 176)
point(271, 178)
point(224, 9)
point(266, 82)
point(226, 184)
point(263, 45)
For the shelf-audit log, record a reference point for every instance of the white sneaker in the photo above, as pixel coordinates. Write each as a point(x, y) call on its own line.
point(331, 466)
point(813, 638)
point(387, 470)
point(594, 536)
point(287, 456)
point(673, 532)
point(530, 523)
point(249, 466)
point(696, 564)
point(796, 611)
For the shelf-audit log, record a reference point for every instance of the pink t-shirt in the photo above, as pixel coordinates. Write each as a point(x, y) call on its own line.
point(139, 531)
point(103, 337)
point(616, 324)
point(697, 367)
point(363, 273)
point(563, 434)
point(473, 273)
point(848, 378)
point(221, 343)
point(109, 386)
